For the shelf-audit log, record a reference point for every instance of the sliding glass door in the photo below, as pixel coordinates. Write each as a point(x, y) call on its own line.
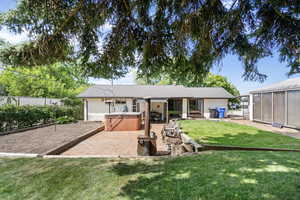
point(195, 108)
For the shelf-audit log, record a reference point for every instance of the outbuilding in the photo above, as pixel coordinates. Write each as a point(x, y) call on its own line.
point(278, 103)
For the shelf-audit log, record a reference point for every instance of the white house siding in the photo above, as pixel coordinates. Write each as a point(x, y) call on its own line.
point(213, 103)
point(96, 109)
point(129, 103)
point(250, 107)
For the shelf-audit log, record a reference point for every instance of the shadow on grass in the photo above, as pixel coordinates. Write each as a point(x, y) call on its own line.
point(216, 175)
point(259, 139)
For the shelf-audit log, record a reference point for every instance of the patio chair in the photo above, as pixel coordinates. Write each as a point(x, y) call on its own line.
point(171, 130)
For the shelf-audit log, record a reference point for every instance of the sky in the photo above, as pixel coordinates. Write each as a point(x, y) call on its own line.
point(230, 66)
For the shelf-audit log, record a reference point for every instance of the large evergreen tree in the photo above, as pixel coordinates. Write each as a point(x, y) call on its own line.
point(186, 36)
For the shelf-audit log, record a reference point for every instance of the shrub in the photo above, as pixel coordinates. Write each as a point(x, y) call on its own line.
point(65, 120)
point(16, 117)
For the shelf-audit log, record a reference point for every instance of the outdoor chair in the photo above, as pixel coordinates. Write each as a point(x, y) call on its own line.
point(171, 130)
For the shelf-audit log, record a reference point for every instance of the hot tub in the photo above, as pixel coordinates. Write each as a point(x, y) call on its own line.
point(123, 121)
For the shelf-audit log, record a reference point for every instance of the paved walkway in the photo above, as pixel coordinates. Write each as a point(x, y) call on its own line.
point(114, 143)
point(284, 131)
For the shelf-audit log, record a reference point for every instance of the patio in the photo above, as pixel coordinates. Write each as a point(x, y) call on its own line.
point(41, 140)
point(114, 143)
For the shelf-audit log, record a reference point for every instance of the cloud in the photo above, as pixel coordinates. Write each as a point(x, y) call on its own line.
point(12, 37)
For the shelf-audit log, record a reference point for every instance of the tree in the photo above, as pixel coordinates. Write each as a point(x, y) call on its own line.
point(2, 90)
point(210, 81)
point(57, 81)
point(186, 36)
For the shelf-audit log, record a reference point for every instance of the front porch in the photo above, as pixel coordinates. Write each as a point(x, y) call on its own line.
point(163, 110)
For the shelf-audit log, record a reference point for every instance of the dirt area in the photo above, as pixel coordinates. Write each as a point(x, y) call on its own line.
point(43, 139)
point(114, 143)
point(284, 131)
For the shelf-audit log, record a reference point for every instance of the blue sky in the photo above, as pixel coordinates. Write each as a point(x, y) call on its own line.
point(230, 67)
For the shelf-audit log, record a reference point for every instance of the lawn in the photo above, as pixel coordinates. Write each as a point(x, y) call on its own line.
point(208, 176)
point(227, 133)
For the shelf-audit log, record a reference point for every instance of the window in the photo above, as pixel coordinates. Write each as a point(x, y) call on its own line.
point(135, 106)
point(120, 102)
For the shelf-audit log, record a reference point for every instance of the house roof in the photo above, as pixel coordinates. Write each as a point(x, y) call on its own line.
point(289, 84)
point(154, 91)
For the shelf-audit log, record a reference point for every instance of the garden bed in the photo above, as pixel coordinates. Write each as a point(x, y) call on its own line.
point(41, 140)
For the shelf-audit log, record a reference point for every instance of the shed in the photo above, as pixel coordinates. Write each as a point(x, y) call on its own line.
point(277, 103)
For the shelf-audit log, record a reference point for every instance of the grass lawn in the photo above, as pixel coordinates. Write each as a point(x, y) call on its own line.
point(209, 176)
point(227, 133)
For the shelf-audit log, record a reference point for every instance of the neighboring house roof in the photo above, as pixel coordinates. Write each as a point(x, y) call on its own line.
point(154, 91)
point(289, 84)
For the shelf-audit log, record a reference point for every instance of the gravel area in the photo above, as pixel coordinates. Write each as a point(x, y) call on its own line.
point(43, 139)
point(114, 143)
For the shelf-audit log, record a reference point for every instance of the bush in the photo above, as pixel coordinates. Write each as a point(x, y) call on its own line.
point(16, 117)
point(65, 120)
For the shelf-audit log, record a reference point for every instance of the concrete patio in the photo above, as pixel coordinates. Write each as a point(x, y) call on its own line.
point(114, 143)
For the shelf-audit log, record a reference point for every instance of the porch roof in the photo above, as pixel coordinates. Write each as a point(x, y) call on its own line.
point(154, 92)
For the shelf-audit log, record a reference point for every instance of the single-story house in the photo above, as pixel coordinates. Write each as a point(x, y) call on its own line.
point(277, 103)
point(167, 101)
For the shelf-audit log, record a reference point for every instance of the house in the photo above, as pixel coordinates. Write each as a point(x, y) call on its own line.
point(167, 101)
point(277, 103)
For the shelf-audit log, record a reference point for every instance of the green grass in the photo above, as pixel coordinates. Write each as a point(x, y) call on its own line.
point(210, 176)
point(219, 175)
point(226, 133)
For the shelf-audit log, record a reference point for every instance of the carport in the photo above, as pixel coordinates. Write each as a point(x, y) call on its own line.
point(277, 103)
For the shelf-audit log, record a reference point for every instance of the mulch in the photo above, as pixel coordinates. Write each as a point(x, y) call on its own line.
point(44, 139)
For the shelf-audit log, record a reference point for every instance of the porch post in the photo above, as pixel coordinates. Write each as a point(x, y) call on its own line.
point(167, 111)
point(85, 113)
point(184, 108)
point(147, 117)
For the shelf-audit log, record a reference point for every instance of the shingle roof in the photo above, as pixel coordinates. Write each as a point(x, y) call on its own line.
point(289, 84)
point(157, 91)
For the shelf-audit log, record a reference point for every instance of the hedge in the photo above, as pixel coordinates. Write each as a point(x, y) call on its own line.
point(17, 117)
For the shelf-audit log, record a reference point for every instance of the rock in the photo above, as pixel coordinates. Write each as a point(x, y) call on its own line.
point(177, 150)
point(188, 147)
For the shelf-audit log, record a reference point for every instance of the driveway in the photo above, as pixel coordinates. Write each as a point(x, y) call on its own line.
point(113, 143)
